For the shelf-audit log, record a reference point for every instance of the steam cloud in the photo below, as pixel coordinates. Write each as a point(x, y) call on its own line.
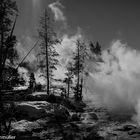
point(58, 13)
point(117, 80)
point(24, 73)
point(23, 46)
point(66, 49)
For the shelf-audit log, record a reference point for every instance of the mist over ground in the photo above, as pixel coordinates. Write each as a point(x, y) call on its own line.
point(116, 81)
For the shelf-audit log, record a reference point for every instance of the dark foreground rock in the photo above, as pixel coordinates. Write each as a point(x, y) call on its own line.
point(93, 116)
point(76, 106)
point(93, 135)
point(40, 109)
point(22, 128)
point(29, 112)
point(60, 114)
point(31, 97)
point(27, 138)
point(134, 131)
point(75, 117)
point(128, 127)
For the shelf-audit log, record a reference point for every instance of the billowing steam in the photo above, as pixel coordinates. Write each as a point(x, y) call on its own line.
point(56, 9)
point(66, 49)
point(24, 73)
point(116, 81)
point(23, 47)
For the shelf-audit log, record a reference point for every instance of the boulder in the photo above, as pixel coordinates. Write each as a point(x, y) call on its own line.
point(134, 131)
point(53, 99)
point(41, 109)
point(72, 105)
point(75, 117)
point(26, 128)
point(93, 135)
point(128, 127)
point(93, 116)
point(21, 128)
point(61, 113)
point(29, 111)
point(79, 106)
point(27, 138)
point(31, 97)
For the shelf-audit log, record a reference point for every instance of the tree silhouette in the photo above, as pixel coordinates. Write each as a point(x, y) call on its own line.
point(32, 82)
point(96, 49)
point(47, 54)
point(78, 67)
point(8, 10)
point(11, 78)
point(69, 77)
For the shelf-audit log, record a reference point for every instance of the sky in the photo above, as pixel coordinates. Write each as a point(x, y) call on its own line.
point(99, 20)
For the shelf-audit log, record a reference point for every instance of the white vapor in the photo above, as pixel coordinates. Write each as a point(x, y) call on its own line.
point(66, 49)
point(117, 80)
point(23, 47)
point(24, 73)
point(58, 13)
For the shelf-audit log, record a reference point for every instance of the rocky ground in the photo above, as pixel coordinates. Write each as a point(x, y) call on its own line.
point(62, 119)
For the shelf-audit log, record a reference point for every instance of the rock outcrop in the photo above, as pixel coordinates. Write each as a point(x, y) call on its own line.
point(29, 111)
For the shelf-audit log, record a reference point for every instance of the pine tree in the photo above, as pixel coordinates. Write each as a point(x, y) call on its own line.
point(78, 67)
point(11, 78)
point(47, 53)
point(96, 49)
point(96, 52)
point(69, 77)
point(32, 81)
point(8, 10)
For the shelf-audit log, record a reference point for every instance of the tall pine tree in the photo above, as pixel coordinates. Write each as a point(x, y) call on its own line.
point(78, 67)
point(48, 55)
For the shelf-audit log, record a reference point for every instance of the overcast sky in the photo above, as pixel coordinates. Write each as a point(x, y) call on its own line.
point(99, 20)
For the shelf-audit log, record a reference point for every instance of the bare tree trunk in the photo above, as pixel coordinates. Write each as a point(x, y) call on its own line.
point(78, 78)
point(68, 87)
point(81, 90)
point(1, 70)
point(7, 45)
point(1, 108)
point(47, 57)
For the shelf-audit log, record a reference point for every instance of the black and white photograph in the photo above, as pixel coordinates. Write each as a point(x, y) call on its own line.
point(69, 70)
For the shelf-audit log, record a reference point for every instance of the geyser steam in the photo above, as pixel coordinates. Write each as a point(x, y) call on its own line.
point(117, 80)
